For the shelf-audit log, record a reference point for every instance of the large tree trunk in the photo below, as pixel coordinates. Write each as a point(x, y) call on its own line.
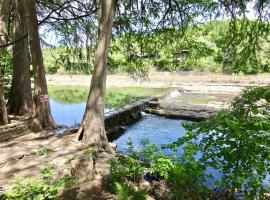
point(3, 109)
point(41, 100)
point(4, 12)
point(92, 129)
point(20, 99)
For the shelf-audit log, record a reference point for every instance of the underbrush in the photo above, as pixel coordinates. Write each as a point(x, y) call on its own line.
point(170, 177)
point(235, 143)
point(43, 187)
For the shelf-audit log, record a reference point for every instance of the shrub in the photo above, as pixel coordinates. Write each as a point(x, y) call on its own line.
point(43, 187)
point(125, 192)
point(236, 142)
point(183, 178)
point(124, 169)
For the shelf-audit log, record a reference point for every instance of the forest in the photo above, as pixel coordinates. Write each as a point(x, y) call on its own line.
point(161, 50)
point(134, 99)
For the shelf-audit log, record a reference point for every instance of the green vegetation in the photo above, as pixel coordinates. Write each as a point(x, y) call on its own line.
point(115, 97)
point(44, 187)
point(63, 59)
point(235, 142)
point(180, 179)
point(207, 47)
point(44, 152)
point(6, 69)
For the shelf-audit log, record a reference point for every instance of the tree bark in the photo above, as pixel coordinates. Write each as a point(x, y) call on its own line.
point(4, 12)
point(41, 100)
point(20, 99)
point(92, 129)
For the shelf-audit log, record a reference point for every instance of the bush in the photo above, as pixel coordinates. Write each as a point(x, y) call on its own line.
point(183, 178)
point(236, 142)
point(124, 169)
point(40, 188)
point(125, 192)
point(187, 181)
point(6, 70)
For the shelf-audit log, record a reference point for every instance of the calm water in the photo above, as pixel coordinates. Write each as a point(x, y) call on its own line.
point(157, 130)
point(68, 114)
point(68, 102)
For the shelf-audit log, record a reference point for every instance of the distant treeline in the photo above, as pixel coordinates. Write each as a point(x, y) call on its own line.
point(207, 47)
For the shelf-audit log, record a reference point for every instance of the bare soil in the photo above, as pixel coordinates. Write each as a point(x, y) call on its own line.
point(187, 80)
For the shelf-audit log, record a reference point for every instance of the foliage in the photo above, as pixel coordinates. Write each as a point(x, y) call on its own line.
point(44, 187)
point(127, 192)
point(184, 177)
point(6, 69)
point(162, 167)
point(44, 152)
point(124, 169)
point(216, 46)
point(236, 142)
point(239, 50)
point(187, 180)
point(67, 59)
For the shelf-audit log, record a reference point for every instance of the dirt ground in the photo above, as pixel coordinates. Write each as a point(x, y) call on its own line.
point(200, 82)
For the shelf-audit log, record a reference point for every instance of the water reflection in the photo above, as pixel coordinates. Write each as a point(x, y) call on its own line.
point(68, 102)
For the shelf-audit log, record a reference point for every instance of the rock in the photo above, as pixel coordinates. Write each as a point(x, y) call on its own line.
point(68, 193)
point(145, 185)
point(115, 132)
point(176, 94)
point(82, 196)
point(36, 126)
point(160, 190)
point(186, 112)
point(113, 145)
point(149, 197)
point(65, 172)
point(101, 164)
point(153, 104)
point(82, 168)
point(127, 115)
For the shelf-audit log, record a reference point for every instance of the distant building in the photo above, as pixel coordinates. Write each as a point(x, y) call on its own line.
point(180, 56)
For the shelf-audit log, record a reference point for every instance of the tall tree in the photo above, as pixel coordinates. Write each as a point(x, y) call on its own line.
point(41, 100)
point(4, 12)
point(20, 99)
point(92, 129)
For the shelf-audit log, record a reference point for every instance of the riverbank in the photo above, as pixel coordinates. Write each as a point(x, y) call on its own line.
point(187, 80)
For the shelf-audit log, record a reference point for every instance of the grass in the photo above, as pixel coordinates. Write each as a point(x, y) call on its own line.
point(44, 152)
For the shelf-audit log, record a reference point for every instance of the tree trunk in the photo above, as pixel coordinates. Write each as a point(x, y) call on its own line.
point(3, 109)
point(4, 12)
point(92, 129)
point(20, 99)
point(41, 100)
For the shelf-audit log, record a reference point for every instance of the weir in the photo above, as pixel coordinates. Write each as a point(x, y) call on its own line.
point(116, 120)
